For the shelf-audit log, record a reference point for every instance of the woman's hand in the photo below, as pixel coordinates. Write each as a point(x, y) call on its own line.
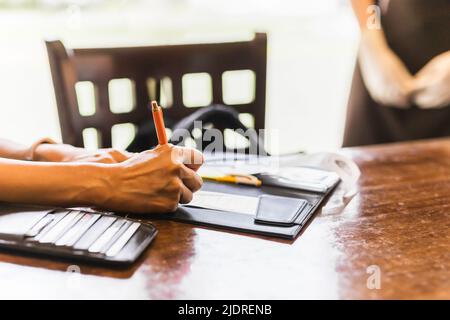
point(386, 77)
point(109, 155)
point(154, 181)
point(68, 153)
point(432, 84)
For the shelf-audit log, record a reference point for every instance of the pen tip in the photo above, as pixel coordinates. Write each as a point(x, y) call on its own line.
point(154, 105)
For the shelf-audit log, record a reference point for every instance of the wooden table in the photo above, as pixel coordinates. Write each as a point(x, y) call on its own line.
point(399, 222)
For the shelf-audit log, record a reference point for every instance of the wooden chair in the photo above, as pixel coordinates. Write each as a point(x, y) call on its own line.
point(147, 68)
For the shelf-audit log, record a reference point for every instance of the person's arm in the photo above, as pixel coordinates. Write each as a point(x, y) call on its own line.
point(360, 10)
point(386, 77)
point(432, 84)
point(68, 153)
point(152, 181)
point(13, 150)
point(55, 152)
point(45, 183)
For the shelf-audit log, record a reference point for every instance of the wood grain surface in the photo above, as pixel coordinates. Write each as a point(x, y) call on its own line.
point(399, 222)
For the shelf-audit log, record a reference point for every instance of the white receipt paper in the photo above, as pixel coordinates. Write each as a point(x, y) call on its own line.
point(225, 202)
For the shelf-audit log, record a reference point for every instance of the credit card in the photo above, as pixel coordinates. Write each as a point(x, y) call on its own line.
point(101, 242)
point(77, 230)
point(94, 232)
point(61, 227)
point(116, 236)
point(41, 224)
point(123, 240)
point(16, 221)
point(57, 216)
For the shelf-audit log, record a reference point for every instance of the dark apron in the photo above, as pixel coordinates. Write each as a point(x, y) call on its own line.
point(417, 31)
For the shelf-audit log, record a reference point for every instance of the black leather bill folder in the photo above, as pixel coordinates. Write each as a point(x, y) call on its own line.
point(76, 234)
point(282, 212)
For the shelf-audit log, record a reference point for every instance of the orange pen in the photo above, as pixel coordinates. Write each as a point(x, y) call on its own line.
point(159, 123)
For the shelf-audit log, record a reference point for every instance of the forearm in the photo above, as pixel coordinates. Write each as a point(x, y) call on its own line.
point(56, 152)
point(360, 10)
point(371, 37)
point(12, 150)
point(42, 150)
point(55, 184)
point(373, 40)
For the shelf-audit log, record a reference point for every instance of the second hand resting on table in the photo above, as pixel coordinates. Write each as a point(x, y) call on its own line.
point(153, 181)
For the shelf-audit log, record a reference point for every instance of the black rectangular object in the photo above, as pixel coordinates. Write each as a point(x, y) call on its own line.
point(245, 222)
point(129, 253)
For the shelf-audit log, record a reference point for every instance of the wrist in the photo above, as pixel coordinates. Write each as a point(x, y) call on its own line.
point(55, 152)
point(97, 184)
point(35, 151)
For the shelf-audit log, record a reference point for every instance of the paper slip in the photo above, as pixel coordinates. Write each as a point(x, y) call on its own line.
point(225, 202)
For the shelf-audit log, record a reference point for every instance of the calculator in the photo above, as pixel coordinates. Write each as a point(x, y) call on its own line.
point(75, 234)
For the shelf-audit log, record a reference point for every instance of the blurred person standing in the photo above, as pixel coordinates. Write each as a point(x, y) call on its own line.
point(401, 84)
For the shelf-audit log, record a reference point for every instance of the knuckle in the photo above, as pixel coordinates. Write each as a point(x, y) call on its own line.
point(175, 185)
point(176, 168)
point(165, 149)
point(171, 204)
